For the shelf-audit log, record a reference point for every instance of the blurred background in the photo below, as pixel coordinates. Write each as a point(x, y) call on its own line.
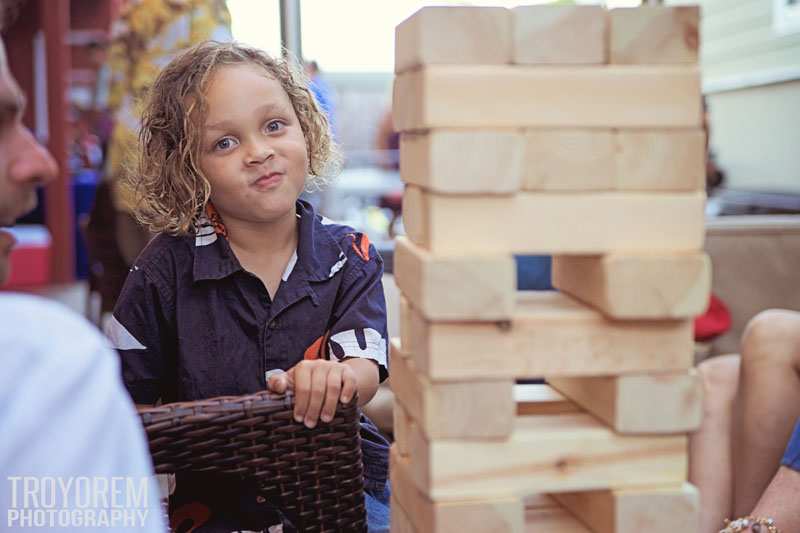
point(84, 63)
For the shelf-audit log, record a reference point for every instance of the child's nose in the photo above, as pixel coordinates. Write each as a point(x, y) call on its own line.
point(259, 152)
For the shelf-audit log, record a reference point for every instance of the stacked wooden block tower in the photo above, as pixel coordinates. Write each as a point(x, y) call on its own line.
point(566, 130)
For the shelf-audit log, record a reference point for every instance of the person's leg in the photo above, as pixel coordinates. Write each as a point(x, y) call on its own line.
point(377, 505)
point(768, 403)
point(710, 454)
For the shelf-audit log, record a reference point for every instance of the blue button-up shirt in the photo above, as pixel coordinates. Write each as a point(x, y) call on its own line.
point(191, 323)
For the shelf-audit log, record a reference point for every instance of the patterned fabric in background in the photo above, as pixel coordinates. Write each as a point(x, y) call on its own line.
point(148, 34)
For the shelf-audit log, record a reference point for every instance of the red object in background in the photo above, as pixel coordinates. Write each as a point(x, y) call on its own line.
point(714, 322)
point(30, 258)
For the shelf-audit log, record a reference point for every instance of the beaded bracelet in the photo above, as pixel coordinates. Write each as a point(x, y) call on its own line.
point(756, 524)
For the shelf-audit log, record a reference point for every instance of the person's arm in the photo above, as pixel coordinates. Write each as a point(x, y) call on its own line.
point(143, 334)
point(781, 500)
point(66, 416)
point(368, 377)
point(357, 345)
point(320, 384)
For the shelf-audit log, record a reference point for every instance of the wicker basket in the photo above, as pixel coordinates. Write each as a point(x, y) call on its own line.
point(314, 476)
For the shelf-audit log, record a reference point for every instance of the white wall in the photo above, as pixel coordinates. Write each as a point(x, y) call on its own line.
point(751, 74)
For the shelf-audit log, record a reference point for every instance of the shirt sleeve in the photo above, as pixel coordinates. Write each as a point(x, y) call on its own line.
point(359, 318)
point(67, 417)
point(791, 457)
point(143, 335)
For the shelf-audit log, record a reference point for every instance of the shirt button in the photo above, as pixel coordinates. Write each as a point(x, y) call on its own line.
point(273, 325)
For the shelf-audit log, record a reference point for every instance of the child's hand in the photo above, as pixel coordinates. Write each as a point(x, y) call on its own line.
point(318, 385)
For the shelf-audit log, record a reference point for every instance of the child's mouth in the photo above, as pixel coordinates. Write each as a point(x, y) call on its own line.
point(268, 180)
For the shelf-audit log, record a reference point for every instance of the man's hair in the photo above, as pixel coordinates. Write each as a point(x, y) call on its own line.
point(170, 190)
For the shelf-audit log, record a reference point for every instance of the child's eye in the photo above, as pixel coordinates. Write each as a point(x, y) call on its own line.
point(274, 125)
point(224, 143)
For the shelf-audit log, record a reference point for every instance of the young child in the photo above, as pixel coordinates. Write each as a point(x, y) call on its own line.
point(243, 277)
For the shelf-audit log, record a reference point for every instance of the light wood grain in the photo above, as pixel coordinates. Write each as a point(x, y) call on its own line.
point(655, 35)
point(498, 515)
point(660, 160)
point(553, 223)
point(565, 453)
point(456, 288)
point(560, 35)
point(401, 429)
point(569, 160)
point(640, 404)
point(622, 96)
point(541, 399)
point(655, 510)
point(637, 286)
point(463, 161)
point(476, 409)
point(550, 335)
point(454, 35)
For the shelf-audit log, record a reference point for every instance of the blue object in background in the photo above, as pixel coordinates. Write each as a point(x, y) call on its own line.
point(84, 186)
point(533, 272)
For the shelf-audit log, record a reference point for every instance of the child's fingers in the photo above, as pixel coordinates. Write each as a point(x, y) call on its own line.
point(334, 387)
point(302, 390)
point(319, 383)
point(279, 382)
point(349, 384)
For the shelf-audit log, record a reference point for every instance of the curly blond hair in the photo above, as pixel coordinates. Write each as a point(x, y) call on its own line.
point(170, 190)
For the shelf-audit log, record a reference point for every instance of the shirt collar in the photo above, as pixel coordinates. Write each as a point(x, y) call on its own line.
point(319, 255)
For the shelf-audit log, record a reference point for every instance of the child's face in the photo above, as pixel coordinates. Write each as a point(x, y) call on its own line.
point(253, 151)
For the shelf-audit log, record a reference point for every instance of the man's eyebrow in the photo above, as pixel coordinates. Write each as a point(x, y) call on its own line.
point(266, 108)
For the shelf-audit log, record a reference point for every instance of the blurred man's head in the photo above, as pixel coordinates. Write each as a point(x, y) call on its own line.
point(24, 163)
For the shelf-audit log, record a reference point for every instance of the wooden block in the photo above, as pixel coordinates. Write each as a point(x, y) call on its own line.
point(643, 404)
point(564, 97)
point(453, 35)
point(550, 335)
point(655, 35)
point(400, 522)
point(456, 288)
point(541, 513)
point(476, 409)
point(499, 515)
point(463, 161)
point(655, 510)
point(405, 322)
point(606, 160)
point(544, 513)
point(568, 159)
point(401, 429)
point(565, 453)
point(415, 214)
point(540, 501)
point(553, 519)
point(660, 160)
point(637, 286)
point(565, 35)
point(590, 223)
point(540, 399)
point(530, 400)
